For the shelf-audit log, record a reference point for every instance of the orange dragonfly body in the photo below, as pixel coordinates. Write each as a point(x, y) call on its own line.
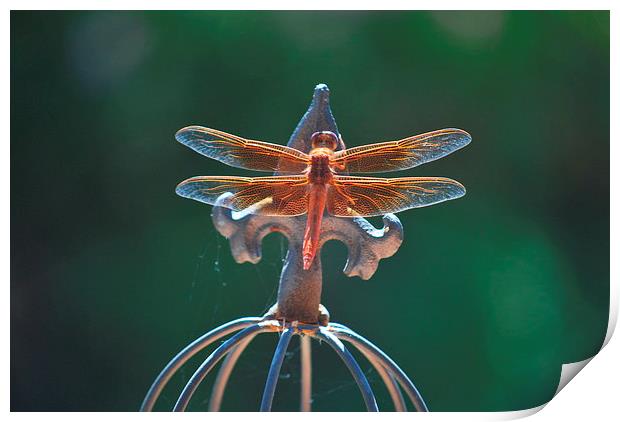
point(318, 181)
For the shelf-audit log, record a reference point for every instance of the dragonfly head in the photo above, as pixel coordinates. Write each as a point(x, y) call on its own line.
point(325, 139)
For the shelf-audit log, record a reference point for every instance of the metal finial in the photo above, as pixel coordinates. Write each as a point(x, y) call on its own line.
point(298, 310)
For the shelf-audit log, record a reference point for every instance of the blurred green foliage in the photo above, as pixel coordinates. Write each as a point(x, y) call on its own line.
point(112, 273)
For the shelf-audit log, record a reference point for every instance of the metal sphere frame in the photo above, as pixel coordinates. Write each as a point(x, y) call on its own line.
point(246, 329)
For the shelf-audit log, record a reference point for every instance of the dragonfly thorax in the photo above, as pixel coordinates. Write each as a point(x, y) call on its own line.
point(320, 171)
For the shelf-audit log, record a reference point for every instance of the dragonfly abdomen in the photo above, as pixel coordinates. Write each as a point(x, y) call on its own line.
point(317, 196)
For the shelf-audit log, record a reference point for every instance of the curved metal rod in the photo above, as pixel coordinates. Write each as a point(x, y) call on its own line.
point(274, 370)
point(184, 355)
point(356, 371)
point(390, 383)
point(306, 374)
point(219, 386)
point(361, 343)
point(388, 379)
point(212, 360)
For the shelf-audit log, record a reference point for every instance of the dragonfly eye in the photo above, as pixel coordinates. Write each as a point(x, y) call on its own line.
point(324, 139)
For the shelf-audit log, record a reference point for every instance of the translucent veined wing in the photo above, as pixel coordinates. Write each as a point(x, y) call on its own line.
point(403, 154)
point(351, 196)
point(242, 153)
point(274, 195)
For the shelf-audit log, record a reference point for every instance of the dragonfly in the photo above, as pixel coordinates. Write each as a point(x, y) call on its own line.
point(317, 182)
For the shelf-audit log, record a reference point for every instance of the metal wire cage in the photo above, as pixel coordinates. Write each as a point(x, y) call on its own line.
point(246, 329)
point(298, 310)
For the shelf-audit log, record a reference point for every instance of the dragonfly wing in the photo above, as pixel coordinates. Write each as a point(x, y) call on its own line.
point(403, 154)
point(275, 195)
point(242, 153)
point(351, 196)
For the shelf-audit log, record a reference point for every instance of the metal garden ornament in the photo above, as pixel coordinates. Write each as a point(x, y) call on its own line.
point(310, 198)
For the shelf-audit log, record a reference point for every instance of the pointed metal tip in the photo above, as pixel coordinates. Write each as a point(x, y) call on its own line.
point(321, 93)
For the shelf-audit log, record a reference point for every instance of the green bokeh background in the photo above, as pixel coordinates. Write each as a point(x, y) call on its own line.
point(112, 273)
